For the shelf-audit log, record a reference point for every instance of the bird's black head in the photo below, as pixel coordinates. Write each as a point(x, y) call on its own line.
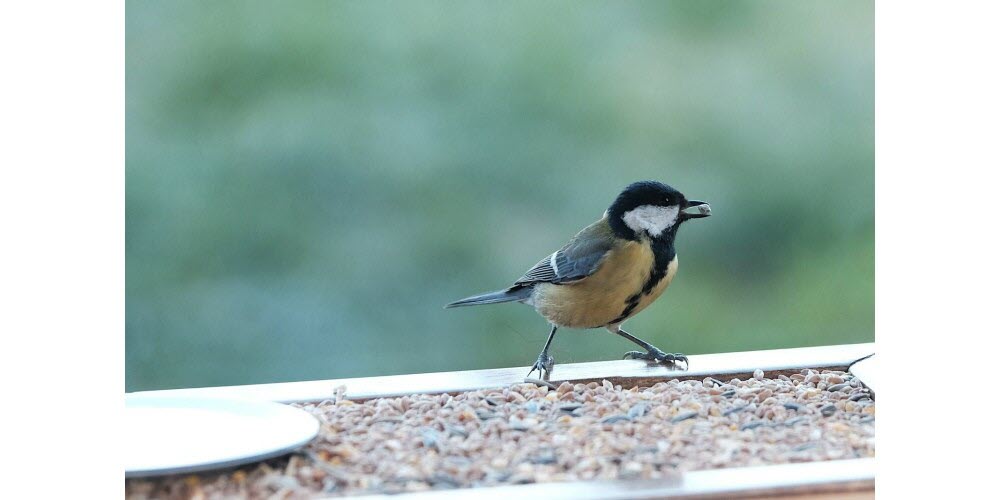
point(653, 209)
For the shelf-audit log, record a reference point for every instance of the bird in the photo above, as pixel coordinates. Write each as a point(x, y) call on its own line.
point(609, 272)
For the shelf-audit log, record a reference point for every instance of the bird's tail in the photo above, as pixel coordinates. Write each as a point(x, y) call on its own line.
point(509, 295)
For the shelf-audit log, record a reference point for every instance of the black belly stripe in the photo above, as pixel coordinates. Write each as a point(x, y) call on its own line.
point(663, 255)
point(630, 304)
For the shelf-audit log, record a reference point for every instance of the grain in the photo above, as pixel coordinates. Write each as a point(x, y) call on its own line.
point(535, 432)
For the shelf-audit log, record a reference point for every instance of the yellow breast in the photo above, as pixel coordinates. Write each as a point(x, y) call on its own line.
point(612, 294)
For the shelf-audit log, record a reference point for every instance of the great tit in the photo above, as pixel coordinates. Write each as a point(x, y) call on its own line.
point(609, 271)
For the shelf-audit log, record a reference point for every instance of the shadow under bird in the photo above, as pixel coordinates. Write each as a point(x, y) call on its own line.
point(610, 271)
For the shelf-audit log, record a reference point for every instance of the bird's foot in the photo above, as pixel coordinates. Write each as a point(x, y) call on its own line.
point(655, 354)
point(544, 365)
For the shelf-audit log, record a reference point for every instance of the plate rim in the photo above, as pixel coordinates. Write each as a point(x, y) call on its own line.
point(135, 473)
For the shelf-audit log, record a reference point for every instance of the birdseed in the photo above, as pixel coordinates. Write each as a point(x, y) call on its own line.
point(530, 433)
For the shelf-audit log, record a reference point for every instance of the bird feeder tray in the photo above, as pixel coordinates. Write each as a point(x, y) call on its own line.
point(760, 423)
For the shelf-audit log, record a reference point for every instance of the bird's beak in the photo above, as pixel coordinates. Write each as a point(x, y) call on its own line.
point(696, 209)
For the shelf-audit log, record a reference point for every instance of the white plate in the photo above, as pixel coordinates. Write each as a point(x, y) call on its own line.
point(170, 435)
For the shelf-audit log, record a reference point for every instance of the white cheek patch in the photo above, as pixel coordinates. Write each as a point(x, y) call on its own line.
point(651, 218)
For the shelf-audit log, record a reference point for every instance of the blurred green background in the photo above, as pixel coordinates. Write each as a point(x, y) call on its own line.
point(308, 183)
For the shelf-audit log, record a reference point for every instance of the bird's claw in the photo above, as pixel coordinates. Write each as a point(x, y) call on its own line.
point(657, 355)
point(544, 365)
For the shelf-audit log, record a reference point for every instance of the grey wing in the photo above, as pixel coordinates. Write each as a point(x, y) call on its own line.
point(577, 260)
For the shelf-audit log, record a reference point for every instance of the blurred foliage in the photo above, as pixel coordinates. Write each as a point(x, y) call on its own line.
point(308, 183)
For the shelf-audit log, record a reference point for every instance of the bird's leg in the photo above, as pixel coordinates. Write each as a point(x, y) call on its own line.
point(544, 363)
point(652, 353)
